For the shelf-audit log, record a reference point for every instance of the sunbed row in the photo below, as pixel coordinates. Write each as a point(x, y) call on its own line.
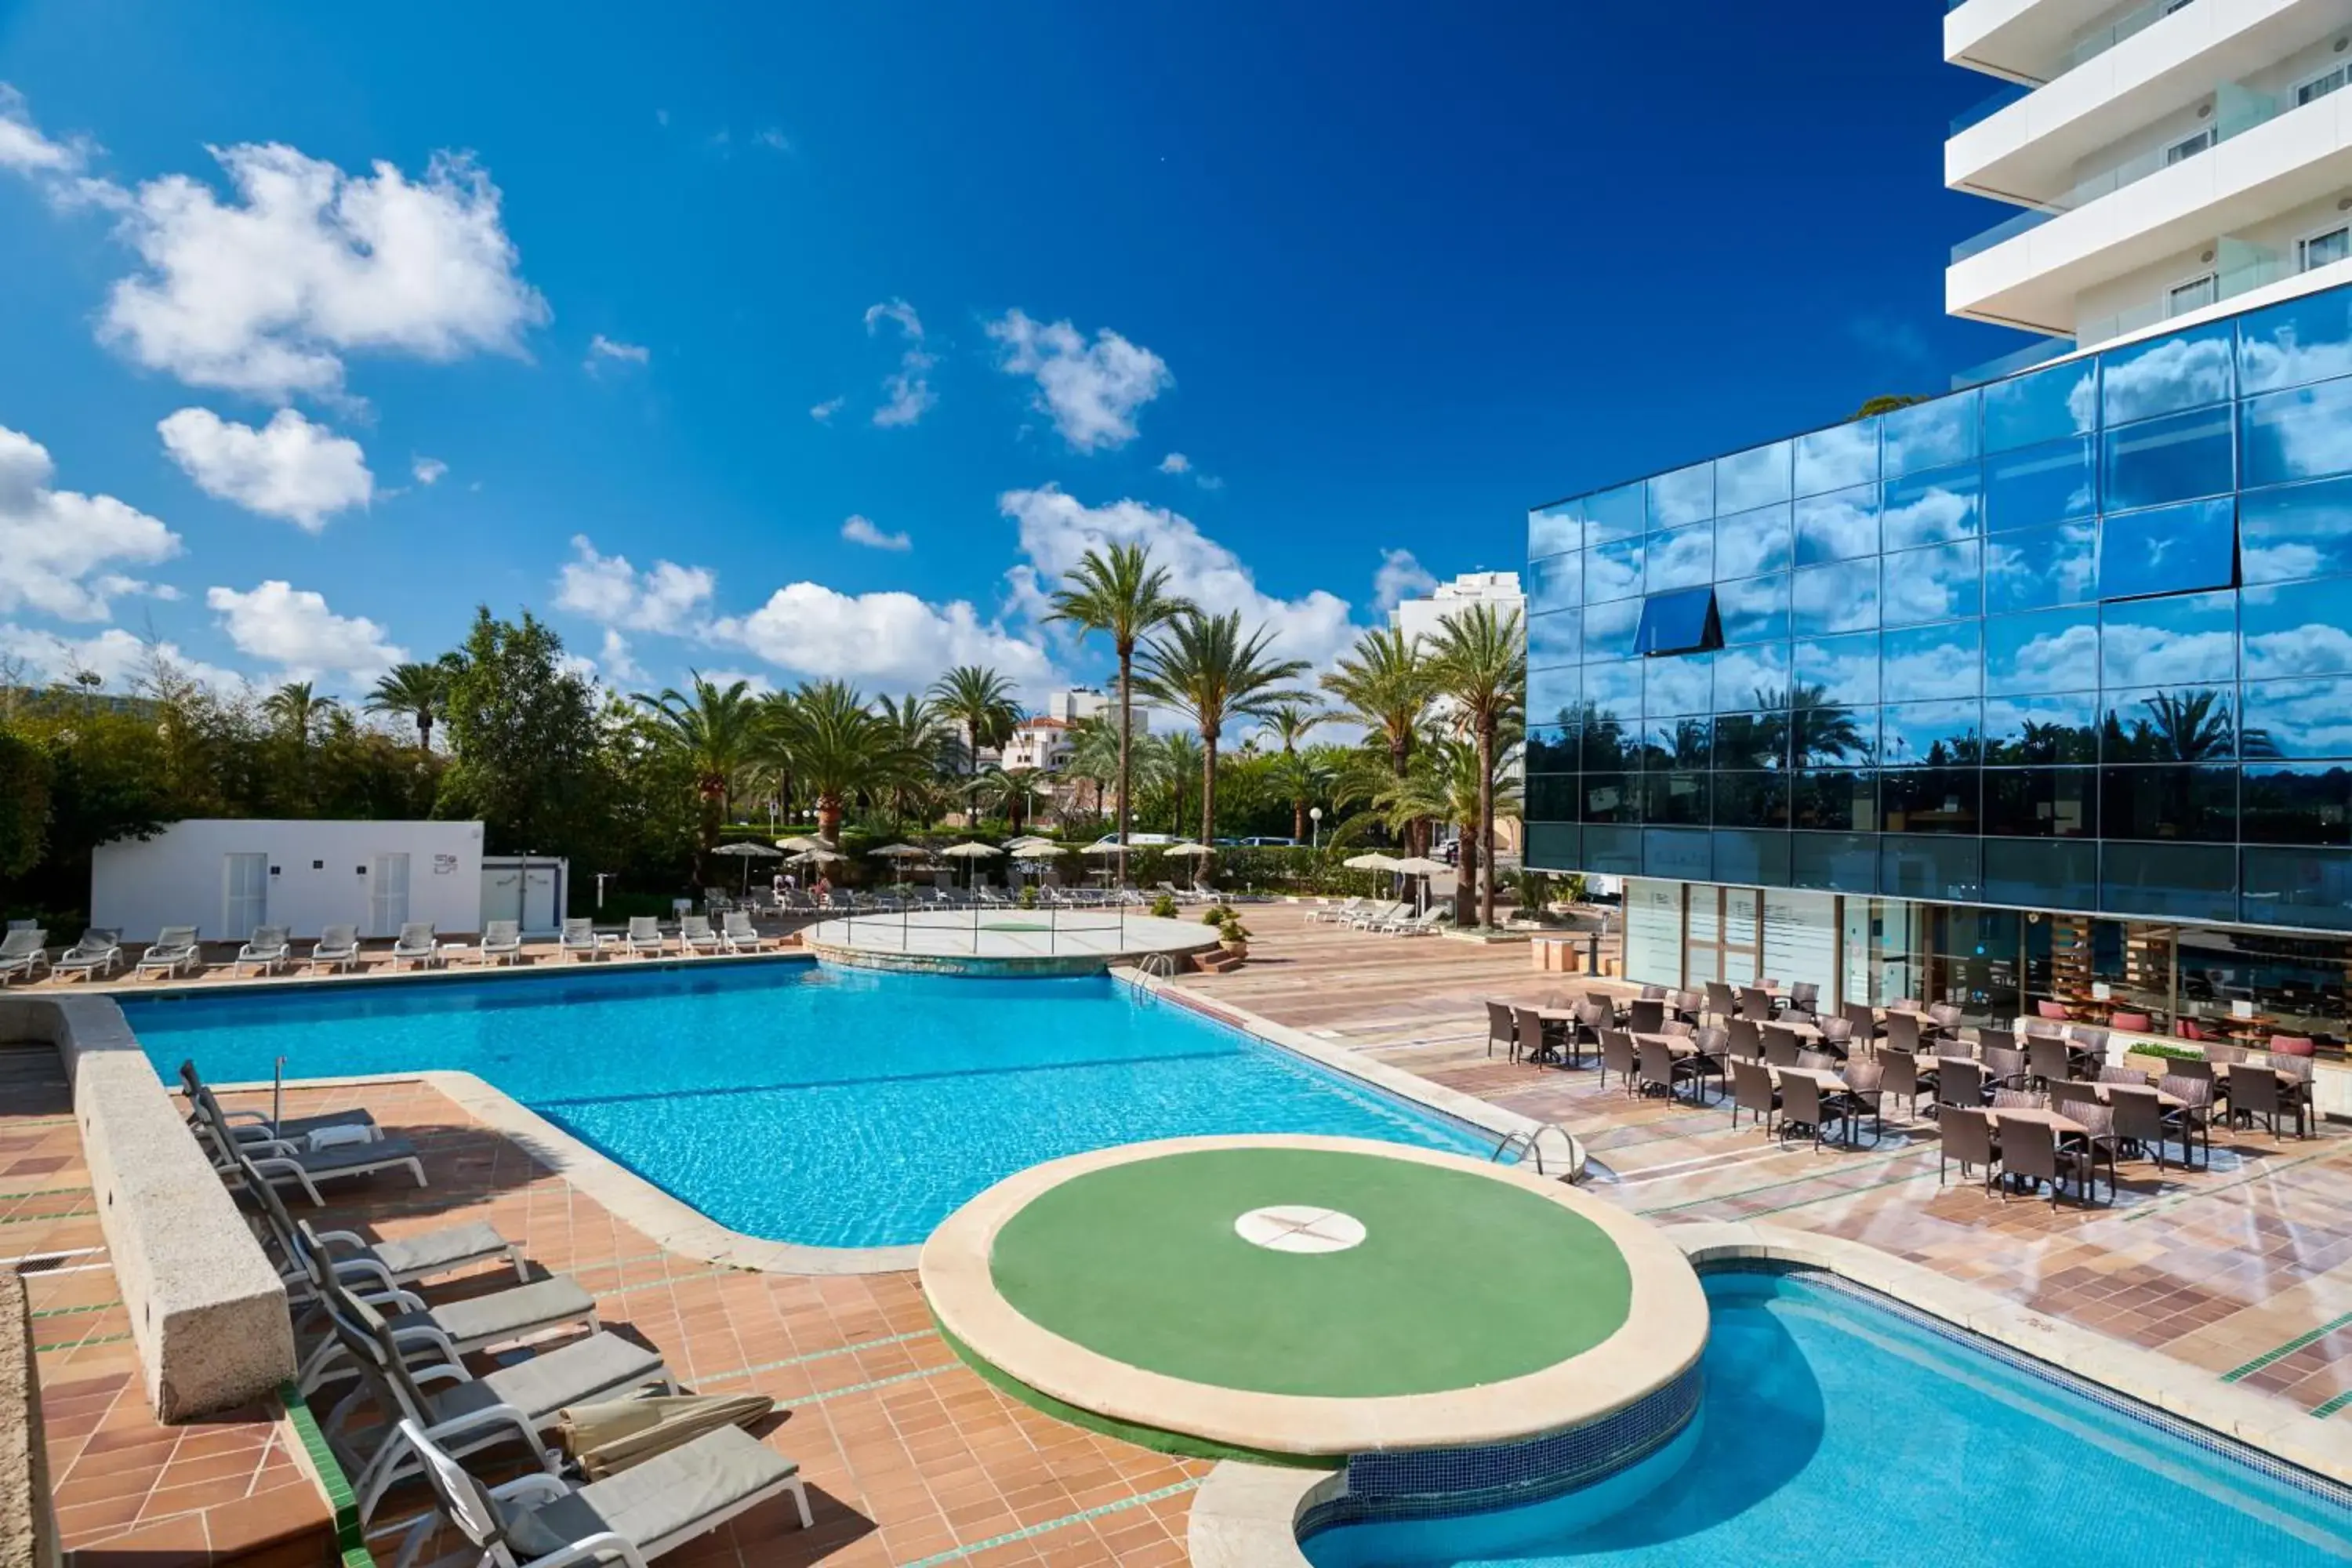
point(1389, 917)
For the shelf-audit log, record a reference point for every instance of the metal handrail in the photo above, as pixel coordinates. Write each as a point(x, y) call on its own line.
point(1532, 1143)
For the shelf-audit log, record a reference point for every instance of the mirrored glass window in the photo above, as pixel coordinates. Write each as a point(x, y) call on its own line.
point(2162, 375)
point(1614, 691)
point(1930, 735)
point(1684, 496)
point(2307, 805)
point(2171, 549)
point(1750, 741)
point(1756, 610)
point(1931, 799)
point(2166, 642)
point(2298, 628)
point(1613, 571)
point(1614, 514)
point(1929, 508)
point(1555, 582)
point(1751, 800)
point(1682, 559)
point(2179, 803)
point(1749, 857)
point(2190, 882)
point(1610, 797)
point(2300, 532)
point(1938, 584)
point(1752, 542)
point(1557, 528)
point(1606, 744)
point(1836, 799)
point(2042, 406)
point(2049, 650)
point(1609, 629)
point(2041, 802)
point(2036, 732)
point(2295, 343)
point(1671, 686)
point(1554, 638)
point(2305, 434)
point(1928, 867)
point(2178, 458)
point(2036, 485)
point(1683, 799)
point(1551, 797)
point(1927, 662)
point(1840, 598)
point(1757, 477)
point(1679, 621)
point(1684, 743)
point(2169, 725)
point(2050, 874)
point(1840, 669)
point(1551, 749)
point(1554, 696)
point(1930, 434)
point(1838, 458)
point(2296, 718)
point(1834, 734)
point(2038, 567)
point(2297, 887)
point(1613, 851)
point(1840, 526)
point(1752, 677)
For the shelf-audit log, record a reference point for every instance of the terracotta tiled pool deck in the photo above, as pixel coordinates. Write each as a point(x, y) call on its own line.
point(2244, 1270)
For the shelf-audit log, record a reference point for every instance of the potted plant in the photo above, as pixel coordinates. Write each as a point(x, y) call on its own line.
point(1233, 936)
point(2156, 1059)
point(1163, 908)
point(1215, 915)
point(1029, 896)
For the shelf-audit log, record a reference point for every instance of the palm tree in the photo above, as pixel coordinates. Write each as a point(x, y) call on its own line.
point(1206, 670)
point(1383, 684)
point(296, 711)
point(1445, 783)
point(1303, 777)
point(1096, 753)
point(1173, 760)
point(418, 690)
point(836, 747)
point(1011, 789)
point(981, 701)
point(1293, 721)
point(1480, 665)
point(1121, 594)
point(717, 731)
point(915, 731)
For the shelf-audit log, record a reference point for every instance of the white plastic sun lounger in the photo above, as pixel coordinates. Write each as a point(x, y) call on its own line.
point(580, 939)
point(739, 933)
point(502, 942)
point(416, 945)
point(695, 935)
point(645, 936)
point(97, 953)
point(172, 950)
point(270, 950)
point(291, 1159)
point(338, 947)
point(253, 1124)
point(22, 951)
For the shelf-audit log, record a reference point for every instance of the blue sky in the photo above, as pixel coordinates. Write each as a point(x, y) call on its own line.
point(701, 290)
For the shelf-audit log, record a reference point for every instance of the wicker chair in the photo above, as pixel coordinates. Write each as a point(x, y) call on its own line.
point(1967, 1141)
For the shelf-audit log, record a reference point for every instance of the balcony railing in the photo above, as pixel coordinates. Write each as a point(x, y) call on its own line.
point(2236, 111)
point(2239, 266)
point(2093, 44)
point(2010, 92)
point(2010, 364)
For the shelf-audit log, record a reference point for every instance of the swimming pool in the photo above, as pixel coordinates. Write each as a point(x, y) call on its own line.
point(1834, 1430)
point(827, 1106)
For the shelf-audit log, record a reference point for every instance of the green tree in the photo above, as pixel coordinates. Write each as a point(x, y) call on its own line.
point(1479, 663)
point(1445, 783)
point(527, 742)
point(981, 701)
point(1205, 668)
point(417, 691)
point(836, 746)
point(26, 772)
point(916, 732)
point(1010, 790)
point(1886, 402)
point(1118, 593)
point(1383, 684)
point(717, 730)
point(298, 712)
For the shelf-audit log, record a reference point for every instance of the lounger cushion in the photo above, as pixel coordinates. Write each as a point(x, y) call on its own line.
point(505, 1314)
point(667, 1494)
point(346, 1159)
point(436, 1250)
point(581, 1371)
point(294, 1129)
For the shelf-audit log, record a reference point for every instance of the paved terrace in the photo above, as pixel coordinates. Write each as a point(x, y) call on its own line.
point(2241, 1270)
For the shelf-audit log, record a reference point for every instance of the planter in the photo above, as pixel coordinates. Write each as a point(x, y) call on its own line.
point(2155, 1067)
point(1234, 949)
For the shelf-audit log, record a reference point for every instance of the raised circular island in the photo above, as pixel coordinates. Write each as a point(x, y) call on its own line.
point(1003, 943)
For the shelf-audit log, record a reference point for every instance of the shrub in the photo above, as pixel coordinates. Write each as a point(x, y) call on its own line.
point(1231, 930)
point(1163, 908)
point(1216, 915)
point(2170, 1053)
point(1029, 896)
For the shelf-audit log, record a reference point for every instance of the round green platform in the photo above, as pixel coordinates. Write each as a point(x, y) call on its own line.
point(1460, 1279)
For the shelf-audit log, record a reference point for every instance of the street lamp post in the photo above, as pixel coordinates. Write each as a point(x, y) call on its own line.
point(1315, 814)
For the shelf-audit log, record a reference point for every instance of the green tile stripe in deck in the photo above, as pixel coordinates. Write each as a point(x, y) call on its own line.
point(351, 1542)
point(1140, 1262)
point(1028, 1531)
point(2332, 1406)
point(2239, 1372)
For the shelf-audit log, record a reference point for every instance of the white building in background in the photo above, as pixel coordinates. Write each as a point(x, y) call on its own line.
point(1078, 704)
point(225, 877)
point(2167, 160)
point(1042, 743)
point(1418, 618)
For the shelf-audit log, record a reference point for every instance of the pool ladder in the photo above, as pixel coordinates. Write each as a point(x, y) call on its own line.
point(1530, 1147)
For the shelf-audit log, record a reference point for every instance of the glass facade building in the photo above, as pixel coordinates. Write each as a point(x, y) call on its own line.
point(2077, 641)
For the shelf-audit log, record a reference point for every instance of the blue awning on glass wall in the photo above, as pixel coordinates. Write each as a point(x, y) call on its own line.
point(1681, 622)
point(2171, 549)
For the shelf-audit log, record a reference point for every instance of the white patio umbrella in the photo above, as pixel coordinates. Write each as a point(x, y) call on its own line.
point(1187, 848)
point(1422, 867)
point(747, 852)
point(817, 857)
point(972, 849)
point(898, 855)
point(1372, 861)
point(1037, 849)
point(803, 843)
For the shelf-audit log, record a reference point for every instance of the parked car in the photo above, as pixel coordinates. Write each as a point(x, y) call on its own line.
point(1264, 841)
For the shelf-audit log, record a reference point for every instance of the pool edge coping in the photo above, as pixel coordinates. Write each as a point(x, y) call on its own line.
point(1246, 1516)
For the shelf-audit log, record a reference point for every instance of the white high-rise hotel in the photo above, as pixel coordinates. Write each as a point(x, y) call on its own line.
point(2170, 160)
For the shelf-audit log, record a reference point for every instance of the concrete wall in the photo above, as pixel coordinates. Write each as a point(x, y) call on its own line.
point(208, 1311)
point(320, 873)
point(28, 1525)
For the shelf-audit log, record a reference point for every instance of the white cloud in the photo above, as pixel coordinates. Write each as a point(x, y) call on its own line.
point(907, 391)
point(116, 656)
point(289, 468)
point(1057, 530)
point(23, 149)
point(1092, 390)
point(115, 585)
point(427, 470)
point(268, 293)
point(614, 661)
point(602, 349)
point(887, 641)
point(862, 530)
point(292, 628)
point(52, 541)
point(823, 413)
point(1175, 463)
point(608, 590)
point(1400, 578)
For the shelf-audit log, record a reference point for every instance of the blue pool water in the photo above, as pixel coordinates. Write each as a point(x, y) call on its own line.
point(1833, 1431)
point(835, 1108)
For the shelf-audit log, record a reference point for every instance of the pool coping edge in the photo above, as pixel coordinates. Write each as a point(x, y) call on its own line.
point(1246, 1516)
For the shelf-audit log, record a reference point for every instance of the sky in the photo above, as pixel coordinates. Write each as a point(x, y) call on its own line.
point(796, 341)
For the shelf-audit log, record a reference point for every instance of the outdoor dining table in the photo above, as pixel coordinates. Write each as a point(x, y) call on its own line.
point(2056, 1121)
point(1559, 1034)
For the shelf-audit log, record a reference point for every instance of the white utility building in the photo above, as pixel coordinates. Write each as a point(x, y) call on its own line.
point(1418, 619)
point(226, 876)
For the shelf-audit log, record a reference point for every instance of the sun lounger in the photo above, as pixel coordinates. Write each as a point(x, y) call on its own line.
point(695, 935)
point(372, 1267)
point(416, 945)
point(338, 947)
point(22, 953)
point(97, 953)
point(289, 1160)
point(271, 948)
point(173, 949)
point(645, 936)
point(580, 939)
point(244, 1123)
point(1423, 924)
point(502, 942)
point(739, 934)
point(632, 1516)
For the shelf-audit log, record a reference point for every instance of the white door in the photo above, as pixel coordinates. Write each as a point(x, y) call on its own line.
point(539, 899)
point(244, 895)
point(388, 895)
point(502, 893)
